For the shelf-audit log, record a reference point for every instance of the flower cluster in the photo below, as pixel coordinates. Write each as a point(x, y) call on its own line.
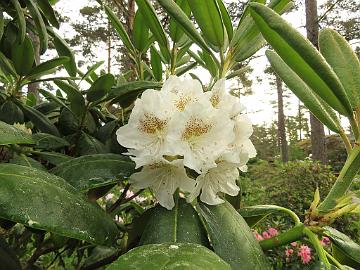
point(271, 232)
point(188, 139)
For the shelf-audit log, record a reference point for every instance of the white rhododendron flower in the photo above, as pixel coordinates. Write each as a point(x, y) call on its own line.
point(182, 130)
point(163, 178)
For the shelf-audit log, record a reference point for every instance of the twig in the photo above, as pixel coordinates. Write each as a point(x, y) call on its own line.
point(118, 202)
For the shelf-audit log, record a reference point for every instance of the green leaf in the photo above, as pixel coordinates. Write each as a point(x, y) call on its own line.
point(100, 87)
point(7, 66)
point(63, 49)
point(1, 24)
point(44, 201)
point(38, 119)
point(349, 249)
point(132, 87)
point(140, 33)
point(48, 141)
point(343, 60)
point(53, 158)
point(119, 28)
point(23, 56)
point(226, 19)
point(91, 71)
point(176, 32)
point(169, 256)
point(48, 12)
point(302, 57)
point(88, 145)
point(152, 22)
point(21, 19)
point(314, 103)
point(254, 214)
point(10, 113)
point(232, 238)
point(92, 171)
point(47, 66)
point(49, 96)
point(208, 17)
point(12, 135)
point(27, 161)
point(182, 19)
point(77, 101)
point(40, 25)
point(156, 64)
point(182, 70)
point(179, 225)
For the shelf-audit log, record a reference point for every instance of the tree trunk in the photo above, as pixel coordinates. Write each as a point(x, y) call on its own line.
point(281, 122)
point(318, 142)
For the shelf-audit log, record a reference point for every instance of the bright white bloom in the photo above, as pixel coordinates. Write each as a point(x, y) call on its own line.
point(147, 127)
point(224, 101)
point(163, 178)
point(220, 179)
point(180, 93)
point(200, 133)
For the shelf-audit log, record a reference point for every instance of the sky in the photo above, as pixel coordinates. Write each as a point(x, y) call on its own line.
point(259, 105)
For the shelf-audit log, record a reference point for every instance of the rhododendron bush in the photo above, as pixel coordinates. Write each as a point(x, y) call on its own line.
point(142, 170)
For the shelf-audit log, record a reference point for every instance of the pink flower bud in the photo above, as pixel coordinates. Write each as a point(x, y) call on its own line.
point(266, 235)
point(273, 232)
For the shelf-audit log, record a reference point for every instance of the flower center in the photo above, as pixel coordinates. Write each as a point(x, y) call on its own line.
point(182, 101)
point(195, 128)
point(150, 123)
point(215, 99)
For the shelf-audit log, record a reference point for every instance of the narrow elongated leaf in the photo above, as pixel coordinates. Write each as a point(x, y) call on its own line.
point(38, 119)
point(27, 161)
point(91, 70)
point(48, 141)
point(120, 30)
point(23, 57)
point(182, 19)
point(152, 21)
point(77, 101)
point(63, 49)
point(100, 87)
point(179, 225)
point(156, 64)
point(12, 135)
point(44, 67)
point(208, 17)
point(232, 238)
point(343, 60)
point(176, 33)
point(1, 24)
point(48, 12)
point(141, 32)
point(304, 93)
point(350, 249)
point(129, 87)
point(182, 70)
point(21, 19)
point(171, 256)
point(91, 171)
point(49, 96)
point(226, 19)
point(40, 25)
point(254, 214)
point(44, 201)
point(53, 158)
point(302, 57)
point(6, 65)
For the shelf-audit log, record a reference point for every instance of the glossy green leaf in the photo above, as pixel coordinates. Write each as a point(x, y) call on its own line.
point(88, 145)
point(12, 135)
point(20, 19)
point(77, 101)
point(100, 87)
point(141, 32)
point(182, 19)
point(254, 214)
point(155, 62)
point(48, 141)
point(302, 57)
point(120, 30)
point(169, 256)
point(10, 113)
point(349, 249)
point(179, 225)
point(176, 32)
point(152, 21)
point(47, 66)
point(49, 96)
point(40, 25)
point(232, 238)
point(53, 158)
point(318, 107)
point(22, 55)
point(182, 70)
point(27, 161)
point(39, 120)
point(343, 60)
point(226, 19)
point(91, 171)
point(6, 65)
point(63, 49)
point(44, 201)
point(130, 87)
point(91, 71)
point(48, 12)
point(208, 17)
